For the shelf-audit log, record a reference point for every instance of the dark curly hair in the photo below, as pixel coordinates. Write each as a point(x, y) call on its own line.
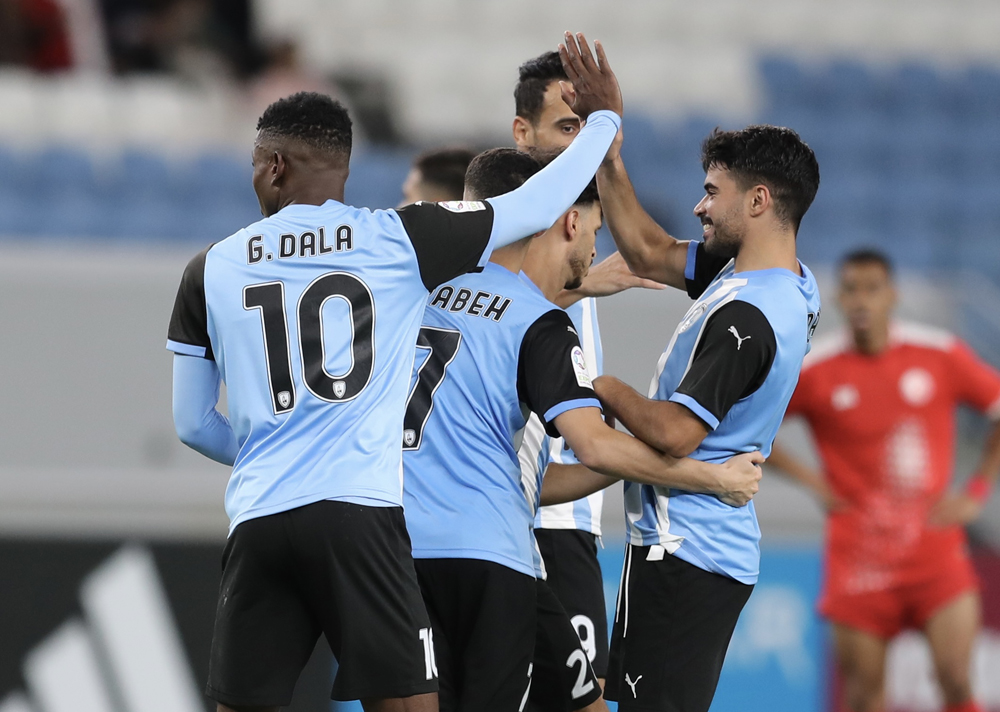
point(868, 256)
point(445, 168)
point(533, 78)
point(498, 171)
point(315, 119)
point(545, 156)
point(768, 155)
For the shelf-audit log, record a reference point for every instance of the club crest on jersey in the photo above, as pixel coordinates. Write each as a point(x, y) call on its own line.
point(339, 388)
point(693, 315)
point(284, 398)
point(580, 368)
point(463, 206)
point(409, 437)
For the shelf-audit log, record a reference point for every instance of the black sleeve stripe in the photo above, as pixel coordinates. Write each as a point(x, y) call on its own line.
point(189, 319)
point(449, 241)
point(706, 268)
point(732, 359)
point(548, 369)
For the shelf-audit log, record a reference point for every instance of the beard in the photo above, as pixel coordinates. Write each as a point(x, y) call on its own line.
point(580, 268)
point(727, 237)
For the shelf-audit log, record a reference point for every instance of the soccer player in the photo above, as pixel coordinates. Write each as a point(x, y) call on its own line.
point(494, 347)
point(880, 399)
point(721, 387)
point(311, 317)
point(437, 175)
point(567, 533)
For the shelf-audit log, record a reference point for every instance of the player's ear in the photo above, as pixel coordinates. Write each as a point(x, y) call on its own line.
point(571, 224)
point(278, 168)
point(522, 132)
point(758, 200)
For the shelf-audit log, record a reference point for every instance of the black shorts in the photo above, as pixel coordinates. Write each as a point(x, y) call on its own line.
point(483, 615)
point(562, 679)
point(341, 569)
point(574, 574)
point(672, 628)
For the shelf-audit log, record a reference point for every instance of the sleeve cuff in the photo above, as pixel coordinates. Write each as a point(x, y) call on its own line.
point(696, 408)
point(557, 410)
point(691, 258)
point(607, 113)
point(186, 349)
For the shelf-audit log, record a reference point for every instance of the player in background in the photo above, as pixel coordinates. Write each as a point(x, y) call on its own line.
point(311, 316)
point(493, 347)
point(880, 399)
point(437, 175)
point(567, 533)
point(721, 387)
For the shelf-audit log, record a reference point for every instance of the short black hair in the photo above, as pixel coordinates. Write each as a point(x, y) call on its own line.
point(315, 119)
point(545, 156)
point(773, 156)
point(868, 256)
point(533, 78)
point(498, 171)
point(445, 168)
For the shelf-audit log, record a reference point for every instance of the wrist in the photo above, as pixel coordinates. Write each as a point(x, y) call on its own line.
point(979, 487)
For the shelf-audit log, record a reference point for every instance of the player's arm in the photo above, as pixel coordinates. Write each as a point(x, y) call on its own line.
point(198, 423)
point(977, 385)
point(553, 381)
point(726, 368)
point(789, 466)
point(450, 243)
point(197, 381)
point(610, 276)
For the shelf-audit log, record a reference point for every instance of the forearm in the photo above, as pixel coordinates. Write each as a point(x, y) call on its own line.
point(197, 422)
point(568, 483)
point(537, 204)
point(792, 468)
point(646, 247)
point(661, 424)
point(989, 461)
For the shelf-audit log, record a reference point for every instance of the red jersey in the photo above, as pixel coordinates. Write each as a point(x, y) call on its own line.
point(885, 429)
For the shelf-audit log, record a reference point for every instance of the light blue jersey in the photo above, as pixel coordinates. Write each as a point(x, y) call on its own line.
point(312, 314)
point(583, 514)
point(747, 333)
point(491, 349)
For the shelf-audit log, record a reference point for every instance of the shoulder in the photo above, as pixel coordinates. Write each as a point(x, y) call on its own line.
point(908, 333)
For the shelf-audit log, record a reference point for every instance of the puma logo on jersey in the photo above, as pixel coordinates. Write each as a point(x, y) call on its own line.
point(632, 684)
point(739, 340)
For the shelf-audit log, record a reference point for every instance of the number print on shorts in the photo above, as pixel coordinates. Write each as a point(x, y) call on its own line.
point(585, 631)
point(443, 345)
point(269, 299)
point(430, 661)
point(582, 685)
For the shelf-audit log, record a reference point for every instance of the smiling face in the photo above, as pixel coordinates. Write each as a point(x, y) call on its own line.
point(722, 213)
point(556, 126)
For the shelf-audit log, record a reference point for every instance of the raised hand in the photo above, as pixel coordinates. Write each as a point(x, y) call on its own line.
point(739, 479)
point(611, 276)
point(595, 86)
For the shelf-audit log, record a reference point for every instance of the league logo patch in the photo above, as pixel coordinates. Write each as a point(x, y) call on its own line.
point(339, 388)
point(284, 398)
point(580, 368)
point(463, 206)
point(409, 437)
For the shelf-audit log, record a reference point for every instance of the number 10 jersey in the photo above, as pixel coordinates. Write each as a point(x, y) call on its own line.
point(312, 316)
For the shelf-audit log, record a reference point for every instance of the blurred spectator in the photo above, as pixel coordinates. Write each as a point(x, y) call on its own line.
point(33, 34)
point(196, 38)
point(437, 175)
point(284, 75)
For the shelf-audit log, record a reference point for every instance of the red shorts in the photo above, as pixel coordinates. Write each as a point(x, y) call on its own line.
point(884, 608)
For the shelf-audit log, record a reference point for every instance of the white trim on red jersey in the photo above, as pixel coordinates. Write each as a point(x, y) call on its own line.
point(900, 332)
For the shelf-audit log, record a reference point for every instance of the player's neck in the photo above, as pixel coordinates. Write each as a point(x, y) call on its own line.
point(770, 250)
point(319, 188)
point(512, 256)
point(871, 343)
point(540, 268)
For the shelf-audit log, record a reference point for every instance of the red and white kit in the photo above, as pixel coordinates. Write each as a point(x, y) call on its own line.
point(885, 429)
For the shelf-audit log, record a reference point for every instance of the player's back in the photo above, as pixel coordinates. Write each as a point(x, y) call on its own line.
point(312, 314)
point(701, 528)
point(463, 493)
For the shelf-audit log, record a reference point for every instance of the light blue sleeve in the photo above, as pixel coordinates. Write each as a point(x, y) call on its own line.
point(199, 425)
point(537, 204)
